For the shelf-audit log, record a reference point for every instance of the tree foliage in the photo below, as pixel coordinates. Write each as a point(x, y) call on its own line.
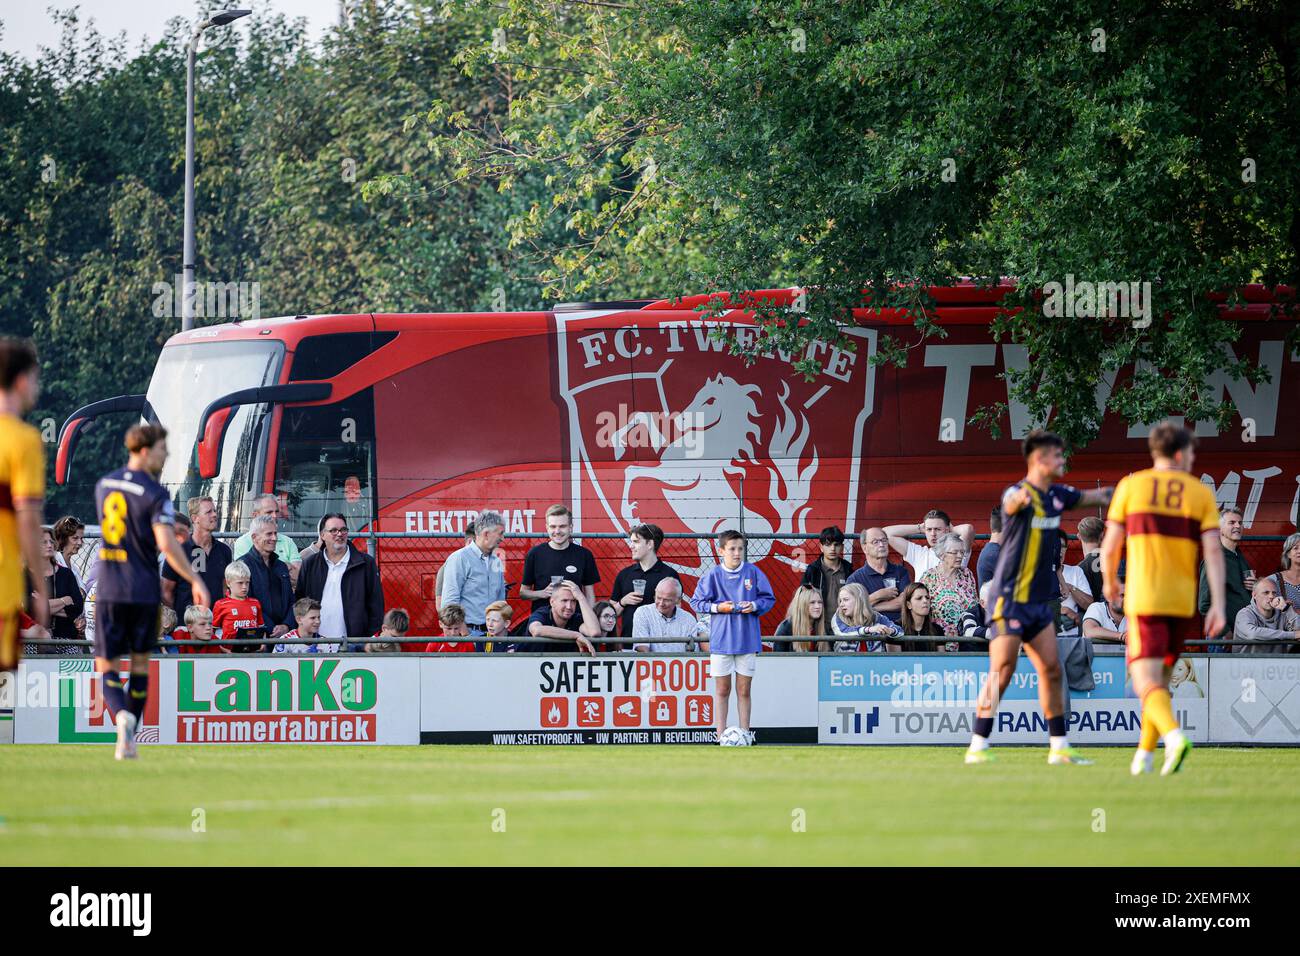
point(875, 149)
point(478, 154)
point(287, 135)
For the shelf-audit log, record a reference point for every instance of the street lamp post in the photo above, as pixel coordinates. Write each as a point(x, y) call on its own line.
point(187, 258)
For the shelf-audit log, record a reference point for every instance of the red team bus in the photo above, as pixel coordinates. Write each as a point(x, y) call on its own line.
point(631, 412)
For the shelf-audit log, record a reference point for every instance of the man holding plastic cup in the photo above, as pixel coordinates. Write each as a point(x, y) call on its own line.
point(635, 584)
point(560, 559)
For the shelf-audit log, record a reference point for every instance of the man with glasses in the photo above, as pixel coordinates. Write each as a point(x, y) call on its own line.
point(346, 583)
point(885, 581)
point(664, 627)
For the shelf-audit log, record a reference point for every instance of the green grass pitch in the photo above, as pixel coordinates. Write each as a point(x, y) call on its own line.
point(73, 805)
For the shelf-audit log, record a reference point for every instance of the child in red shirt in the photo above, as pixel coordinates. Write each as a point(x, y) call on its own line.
point(198, 627)
point(237, 615)
point(452, 619)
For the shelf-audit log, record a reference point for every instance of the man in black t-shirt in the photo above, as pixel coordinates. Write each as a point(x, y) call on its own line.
point(546, 565)
point(208, 557)
point(644, 540)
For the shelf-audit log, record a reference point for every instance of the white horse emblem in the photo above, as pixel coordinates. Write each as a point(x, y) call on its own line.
point(713, 443)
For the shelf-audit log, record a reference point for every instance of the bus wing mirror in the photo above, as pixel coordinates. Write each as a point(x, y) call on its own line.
point(72, 429)
point(211, 439)
point(217, 416)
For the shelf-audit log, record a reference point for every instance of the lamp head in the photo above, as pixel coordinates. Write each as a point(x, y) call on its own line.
point(226, 16)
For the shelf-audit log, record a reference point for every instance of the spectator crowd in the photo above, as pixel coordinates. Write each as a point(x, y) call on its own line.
point(278, 600)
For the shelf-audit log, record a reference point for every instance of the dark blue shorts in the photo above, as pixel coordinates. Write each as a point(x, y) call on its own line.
point(1022, 621)
point(125, 629)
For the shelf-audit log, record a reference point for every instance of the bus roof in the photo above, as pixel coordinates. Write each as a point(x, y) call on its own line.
point(964, 303)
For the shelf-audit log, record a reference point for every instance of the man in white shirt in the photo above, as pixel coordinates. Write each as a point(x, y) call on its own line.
point(1106, 626)
point(1076, 594)
point(346, 583)
point(666, 618)
point(336, 555)
point(923, 557)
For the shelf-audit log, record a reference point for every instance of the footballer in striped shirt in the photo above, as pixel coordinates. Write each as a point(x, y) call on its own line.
point(1166, 517)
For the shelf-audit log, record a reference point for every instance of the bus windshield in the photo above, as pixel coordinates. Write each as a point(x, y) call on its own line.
point(190, 376)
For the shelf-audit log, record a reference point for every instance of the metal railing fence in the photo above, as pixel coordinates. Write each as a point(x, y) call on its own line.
point(409, 562)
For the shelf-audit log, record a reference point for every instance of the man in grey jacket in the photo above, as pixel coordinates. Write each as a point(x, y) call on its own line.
point(1266, 618)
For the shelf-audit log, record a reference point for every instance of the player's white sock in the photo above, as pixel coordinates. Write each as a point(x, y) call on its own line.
point(1058, 743)
point(979, 743)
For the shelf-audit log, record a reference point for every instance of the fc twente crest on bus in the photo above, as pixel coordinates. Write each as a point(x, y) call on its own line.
point(665, 426)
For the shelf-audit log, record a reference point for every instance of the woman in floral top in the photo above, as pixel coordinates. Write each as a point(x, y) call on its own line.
point(951, 585)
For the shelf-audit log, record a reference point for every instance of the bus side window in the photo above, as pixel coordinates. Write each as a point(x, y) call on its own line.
point(325, 463)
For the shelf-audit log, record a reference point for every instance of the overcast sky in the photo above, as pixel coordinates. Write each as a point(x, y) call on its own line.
point(27, 24)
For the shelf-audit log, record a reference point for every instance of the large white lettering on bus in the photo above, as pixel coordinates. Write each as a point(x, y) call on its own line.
point(1257, 404)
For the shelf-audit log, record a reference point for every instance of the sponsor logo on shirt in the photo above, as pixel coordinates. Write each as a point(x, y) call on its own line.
point(1054, 522)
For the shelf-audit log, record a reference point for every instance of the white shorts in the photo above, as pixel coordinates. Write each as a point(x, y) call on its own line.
point(722, 665)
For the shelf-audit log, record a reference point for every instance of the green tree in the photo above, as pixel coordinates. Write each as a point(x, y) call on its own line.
point(593, 212)
point(287, 135)
point(887, 147)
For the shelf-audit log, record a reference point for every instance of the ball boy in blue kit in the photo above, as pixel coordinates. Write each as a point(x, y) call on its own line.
point(734, 594)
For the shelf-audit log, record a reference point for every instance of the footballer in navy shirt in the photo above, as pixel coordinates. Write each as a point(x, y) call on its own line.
point(136, 519)
point(1024, 593)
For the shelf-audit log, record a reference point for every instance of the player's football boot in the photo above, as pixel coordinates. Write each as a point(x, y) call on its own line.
point(1144, 761)
point(1177, 747)
point(980, 756)
point(125, 749)
point(750, 738)
point(1063, 755)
